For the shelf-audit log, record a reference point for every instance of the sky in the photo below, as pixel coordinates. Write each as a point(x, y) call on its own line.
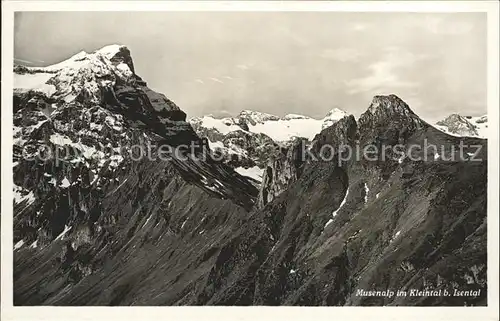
point(306, 63)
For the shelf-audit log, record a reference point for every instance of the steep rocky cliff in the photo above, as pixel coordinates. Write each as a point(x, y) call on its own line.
point(282, 169)
point(102, 227)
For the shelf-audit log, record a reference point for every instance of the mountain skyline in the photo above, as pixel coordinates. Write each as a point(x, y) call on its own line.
point(308, 63)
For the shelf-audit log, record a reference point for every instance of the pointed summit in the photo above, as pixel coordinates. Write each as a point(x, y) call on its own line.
point(390, 103)
point(387, 108)
point(111, 50)
point(117, 54)
point(336, 113)
point(332, 117)
point(458, 125)
point(389, 113)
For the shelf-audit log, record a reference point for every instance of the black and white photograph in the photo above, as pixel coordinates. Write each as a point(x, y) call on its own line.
point(250, 158)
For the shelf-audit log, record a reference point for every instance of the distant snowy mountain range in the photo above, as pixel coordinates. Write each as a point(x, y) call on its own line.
point(280, 129)
point(250, 139)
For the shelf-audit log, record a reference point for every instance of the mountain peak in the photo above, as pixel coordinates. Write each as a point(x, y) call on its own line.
point(111, 50)
point(455, 117)
point(336, 113)
point(117, 54)
point(391, 102)
point(253, 117)
point(335, 110)
point(389, 111)
point(87, 74)
point(333, 116)
point(458, 125)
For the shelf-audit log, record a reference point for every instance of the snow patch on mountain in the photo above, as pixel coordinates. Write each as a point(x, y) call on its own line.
point(223, 126)
point(18, 245)
point(286, 129)
point(34, 245)
point(64, 232)
point(341, 204)
point(21, 195)
point(295, 116)
point(35, 82)
point(83, 58)
point(252, 172)
point(337, 210)
point(481, 124)
point(65, 183)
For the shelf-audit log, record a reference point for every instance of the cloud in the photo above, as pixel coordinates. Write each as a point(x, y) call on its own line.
point(24, 61)
point(32, 62)
point(341, 54)
point(441, 24)
point(216, 80)
point(222, 113)
point(200, 81)
point(382, 76)
point(359, 26)
point(242, 67)
point(385, 74)
point(291, 35)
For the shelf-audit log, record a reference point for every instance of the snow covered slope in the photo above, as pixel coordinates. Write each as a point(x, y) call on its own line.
point(280, 129)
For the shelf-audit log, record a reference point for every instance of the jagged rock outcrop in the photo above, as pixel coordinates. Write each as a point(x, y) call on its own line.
point(254, 149)
point(388, 116)
point(344, 133)
point(281, 170)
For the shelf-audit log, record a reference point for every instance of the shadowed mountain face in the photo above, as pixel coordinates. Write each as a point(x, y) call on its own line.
point(104, 227)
